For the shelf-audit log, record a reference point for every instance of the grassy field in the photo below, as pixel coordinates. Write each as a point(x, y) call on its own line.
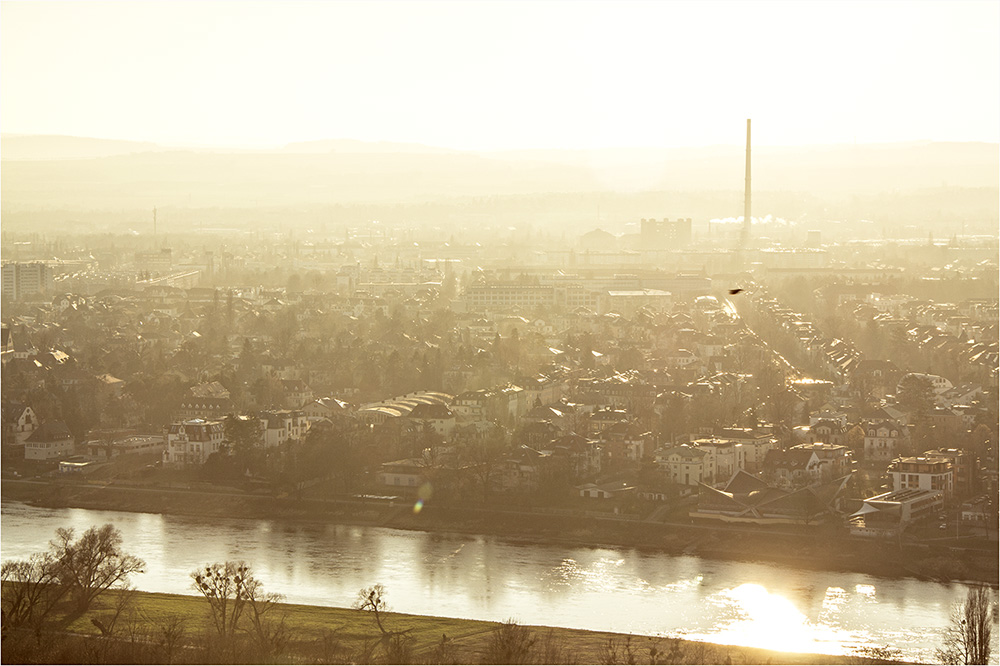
point(340, 635)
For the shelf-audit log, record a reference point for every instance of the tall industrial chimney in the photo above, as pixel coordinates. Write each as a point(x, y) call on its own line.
point(745, 238)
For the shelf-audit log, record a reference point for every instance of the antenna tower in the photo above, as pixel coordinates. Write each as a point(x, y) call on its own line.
point(745, 237)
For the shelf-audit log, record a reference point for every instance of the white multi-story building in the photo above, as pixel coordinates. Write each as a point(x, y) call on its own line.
point(922, 473)
point(728, 455)
point(283, 425)
point(191, 442)
point(755, 445)
point(22, 280)
point(687, 465)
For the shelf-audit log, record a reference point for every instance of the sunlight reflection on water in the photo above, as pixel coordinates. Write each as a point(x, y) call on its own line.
point(759, 618)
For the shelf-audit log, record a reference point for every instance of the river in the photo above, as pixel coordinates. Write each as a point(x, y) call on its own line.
point(495, 578)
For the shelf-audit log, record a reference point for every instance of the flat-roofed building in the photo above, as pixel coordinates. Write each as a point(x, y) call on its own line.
point(506, 296)
point(756, 444)
point(20, 280)
point(129, 445)
point(964, 469)
point(886, 514)
point(922, 473)
point(627, 301)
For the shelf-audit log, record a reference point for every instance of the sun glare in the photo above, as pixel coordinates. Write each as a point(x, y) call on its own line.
point(768, 620)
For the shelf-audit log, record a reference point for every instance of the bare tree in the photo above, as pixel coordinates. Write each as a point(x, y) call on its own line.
point(237, 602)
point(169, 636)
point(967, 639)
point(510, 643)
point(31, 590)
point(93, 564)
point(122, 607)
point(444, 652)
point(372, 599)
point(270, 635)
point(224, 586)
point(619, 650)
point(397, 646)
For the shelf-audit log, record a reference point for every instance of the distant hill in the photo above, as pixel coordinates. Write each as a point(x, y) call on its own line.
point(73, 172)
point(356, 147)
point(55, 147)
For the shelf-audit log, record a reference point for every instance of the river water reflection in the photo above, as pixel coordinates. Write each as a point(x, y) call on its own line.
point(493, 578)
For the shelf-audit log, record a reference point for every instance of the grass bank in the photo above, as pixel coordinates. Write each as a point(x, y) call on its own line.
point(339, 635)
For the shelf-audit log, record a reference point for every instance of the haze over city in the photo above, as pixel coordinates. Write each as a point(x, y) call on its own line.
point(532, 332)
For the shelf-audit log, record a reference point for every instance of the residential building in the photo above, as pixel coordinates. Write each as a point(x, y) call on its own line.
point(980, 511)
point(437, 417)
point(602, 419)
point(406, 473)
point(208, 400)
point(20, 280)
point(834, 460)
point(283, 425)
point(792, 468)
point(191, 442)
point(922, 473)
point(756, 444)
point(297, 393)
point(687, 465)
point(964, 469)
point(828, 432)
point(50, 441)
point(884, 440)
point(840, 418)
point(625, 442)
point(729, 456)
point(19, 421)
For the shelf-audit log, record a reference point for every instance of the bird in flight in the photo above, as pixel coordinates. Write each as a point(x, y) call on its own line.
point(735, 291)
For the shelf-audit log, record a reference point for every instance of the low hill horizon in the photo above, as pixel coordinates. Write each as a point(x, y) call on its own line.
point(78, 173)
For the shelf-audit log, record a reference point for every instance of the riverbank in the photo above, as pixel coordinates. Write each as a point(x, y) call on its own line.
point(813, 548)
point(339, 635)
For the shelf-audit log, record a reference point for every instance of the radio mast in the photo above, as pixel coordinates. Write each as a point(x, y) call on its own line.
point(745, 236)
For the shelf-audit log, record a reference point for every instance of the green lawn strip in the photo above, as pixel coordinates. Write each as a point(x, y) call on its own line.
point(352, 628)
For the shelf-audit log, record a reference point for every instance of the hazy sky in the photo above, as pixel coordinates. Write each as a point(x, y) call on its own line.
point(486, 75)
